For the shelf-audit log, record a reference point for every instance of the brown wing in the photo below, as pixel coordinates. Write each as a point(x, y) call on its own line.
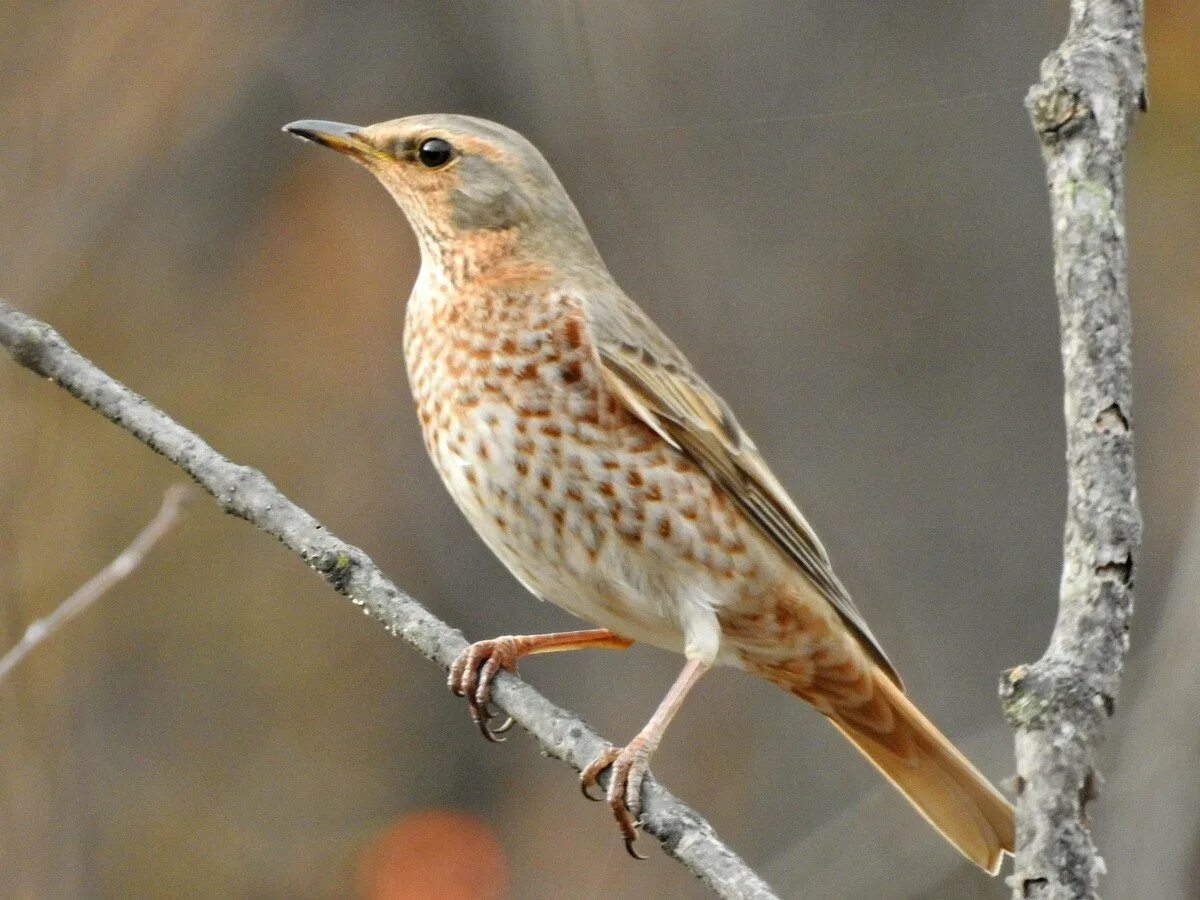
point(655, 381)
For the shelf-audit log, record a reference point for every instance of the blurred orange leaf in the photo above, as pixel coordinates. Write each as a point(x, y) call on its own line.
point(433, 854)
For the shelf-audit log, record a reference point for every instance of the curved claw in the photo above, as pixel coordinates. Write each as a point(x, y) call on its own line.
point(472, 675)
point(483, 723)
point(624, 794)
point(479, 706)
point(629, 842)
point(589, 777)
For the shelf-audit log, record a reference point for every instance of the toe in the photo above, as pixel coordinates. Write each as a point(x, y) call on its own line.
point(469, 681)
point(618, 793)
point(487, 674)
point(589, 777)
point(454, 681)
point(633, 786)
point(471, 676)
point(624, 788)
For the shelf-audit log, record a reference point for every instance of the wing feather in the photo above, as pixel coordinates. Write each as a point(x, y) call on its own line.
point(656, 383)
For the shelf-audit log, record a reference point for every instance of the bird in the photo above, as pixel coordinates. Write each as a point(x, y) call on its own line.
point(610, 479)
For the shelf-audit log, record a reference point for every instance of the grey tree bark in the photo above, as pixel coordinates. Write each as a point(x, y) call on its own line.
point(1090, 91)
point(248, 494)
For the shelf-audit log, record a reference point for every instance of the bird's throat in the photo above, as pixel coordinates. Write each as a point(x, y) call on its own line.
point(479, 256)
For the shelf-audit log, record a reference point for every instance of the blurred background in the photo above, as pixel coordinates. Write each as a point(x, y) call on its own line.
point(836, 209)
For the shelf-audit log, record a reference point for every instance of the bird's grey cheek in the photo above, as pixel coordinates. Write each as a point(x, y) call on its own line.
point(487, 210)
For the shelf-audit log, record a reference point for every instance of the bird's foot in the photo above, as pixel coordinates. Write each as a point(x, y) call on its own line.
point(472, 675)
point(624, 795)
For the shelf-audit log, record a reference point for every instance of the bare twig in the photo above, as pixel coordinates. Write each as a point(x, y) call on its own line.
point(102, 582)
point(1090, 90)
point(248, 494)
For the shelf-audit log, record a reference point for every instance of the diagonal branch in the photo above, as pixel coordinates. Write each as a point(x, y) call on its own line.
point(1091, 89)
point(248, 494)
point(120, 568)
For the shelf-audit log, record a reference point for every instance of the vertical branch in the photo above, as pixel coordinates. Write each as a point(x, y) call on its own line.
point(1090, 89)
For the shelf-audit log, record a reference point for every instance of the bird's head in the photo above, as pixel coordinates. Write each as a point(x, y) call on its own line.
point(464, 184)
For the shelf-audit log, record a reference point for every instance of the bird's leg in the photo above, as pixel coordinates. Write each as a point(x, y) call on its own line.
point(473, 672)
point(630, 763)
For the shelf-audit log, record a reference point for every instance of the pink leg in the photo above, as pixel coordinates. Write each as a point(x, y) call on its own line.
point(630, 764)
point(473, 672)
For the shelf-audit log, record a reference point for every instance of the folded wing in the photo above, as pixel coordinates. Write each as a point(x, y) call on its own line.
point(655, 382)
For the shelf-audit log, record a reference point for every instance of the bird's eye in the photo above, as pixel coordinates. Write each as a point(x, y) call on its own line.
point(434, 153)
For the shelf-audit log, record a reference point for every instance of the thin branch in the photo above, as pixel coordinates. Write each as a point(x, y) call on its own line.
point(40, 630)
point(248, 494)
point(1091, 89)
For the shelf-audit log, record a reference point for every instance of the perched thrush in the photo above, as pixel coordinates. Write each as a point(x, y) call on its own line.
point(610, 479)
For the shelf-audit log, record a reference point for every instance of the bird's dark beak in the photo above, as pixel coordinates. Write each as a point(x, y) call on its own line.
point(346, 139)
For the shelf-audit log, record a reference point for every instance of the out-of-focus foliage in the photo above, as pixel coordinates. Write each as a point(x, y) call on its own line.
point(433, 854)
point(837, 210)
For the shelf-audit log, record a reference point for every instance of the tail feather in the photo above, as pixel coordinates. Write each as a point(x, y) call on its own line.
point(930, 771)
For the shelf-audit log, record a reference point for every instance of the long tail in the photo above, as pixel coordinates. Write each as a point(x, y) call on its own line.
point(937, 779)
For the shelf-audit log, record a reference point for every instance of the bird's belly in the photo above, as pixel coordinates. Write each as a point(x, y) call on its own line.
point(598, 517)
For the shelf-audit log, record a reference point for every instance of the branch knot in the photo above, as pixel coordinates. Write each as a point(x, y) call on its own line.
point(1057, 111)
point(1039, 696)
point(337, 565)
point(29, 346)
